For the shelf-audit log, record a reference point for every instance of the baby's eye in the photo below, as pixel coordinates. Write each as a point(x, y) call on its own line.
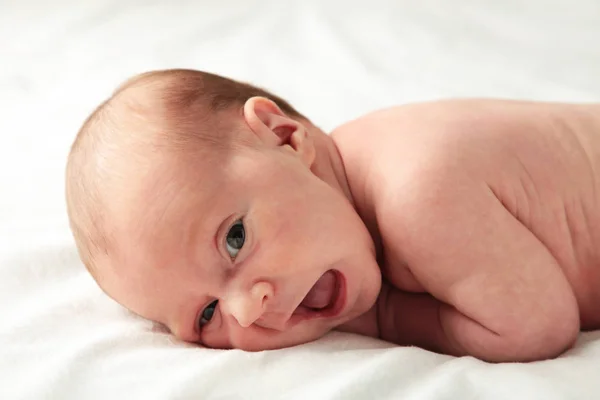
point(207, 314)
point(235, 238)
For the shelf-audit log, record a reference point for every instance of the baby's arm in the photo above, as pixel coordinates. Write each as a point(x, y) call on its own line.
point(412, 319)
point(503, 296)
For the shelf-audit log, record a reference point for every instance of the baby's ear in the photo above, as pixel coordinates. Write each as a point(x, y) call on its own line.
point(274, 128)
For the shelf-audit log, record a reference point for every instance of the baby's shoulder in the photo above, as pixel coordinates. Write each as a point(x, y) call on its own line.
point(406, 142)
point(405, 160)
point(425, 127)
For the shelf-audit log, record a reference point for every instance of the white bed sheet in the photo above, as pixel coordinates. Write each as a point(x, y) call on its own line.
point(61, 338)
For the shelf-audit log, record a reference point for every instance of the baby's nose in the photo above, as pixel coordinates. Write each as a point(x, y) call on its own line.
point(246, 308)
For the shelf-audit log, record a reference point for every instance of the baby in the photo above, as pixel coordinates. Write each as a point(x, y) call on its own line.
point(467, 227)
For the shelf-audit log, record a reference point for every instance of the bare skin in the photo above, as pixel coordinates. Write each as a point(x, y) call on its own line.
point(492, 208)
point(482, 217)
point(287, 189)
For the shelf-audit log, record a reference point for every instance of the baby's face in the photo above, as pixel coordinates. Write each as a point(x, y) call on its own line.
point(251, 252)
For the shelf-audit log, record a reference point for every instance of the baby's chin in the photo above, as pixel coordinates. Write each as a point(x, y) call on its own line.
point(284, 343)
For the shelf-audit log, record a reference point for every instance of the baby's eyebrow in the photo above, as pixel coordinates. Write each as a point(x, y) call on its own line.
point(179, 332)
point(178, 325)
point(159, 327)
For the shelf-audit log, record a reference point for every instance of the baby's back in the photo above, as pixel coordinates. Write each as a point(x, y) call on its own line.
point(541, 160)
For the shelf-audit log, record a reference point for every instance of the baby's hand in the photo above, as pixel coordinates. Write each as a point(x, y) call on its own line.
point(412, 319)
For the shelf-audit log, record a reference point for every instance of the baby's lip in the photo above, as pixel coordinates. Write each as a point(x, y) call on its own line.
point(283, 321)
point(333, 309)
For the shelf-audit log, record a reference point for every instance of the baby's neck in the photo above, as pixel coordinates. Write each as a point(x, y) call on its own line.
point(356, 162)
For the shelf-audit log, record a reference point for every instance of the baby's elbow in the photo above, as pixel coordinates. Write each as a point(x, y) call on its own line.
point(546, 338)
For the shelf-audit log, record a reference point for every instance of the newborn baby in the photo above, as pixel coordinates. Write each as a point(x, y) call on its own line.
point(467, 227)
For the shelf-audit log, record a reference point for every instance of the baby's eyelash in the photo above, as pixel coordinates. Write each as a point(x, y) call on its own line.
point(207, 314)
point(235, 238)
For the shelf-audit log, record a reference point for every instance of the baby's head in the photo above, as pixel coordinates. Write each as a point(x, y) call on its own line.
point(216, 209)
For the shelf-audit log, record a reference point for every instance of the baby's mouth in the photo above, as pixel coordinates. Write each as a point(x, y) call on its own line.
point(324, 298)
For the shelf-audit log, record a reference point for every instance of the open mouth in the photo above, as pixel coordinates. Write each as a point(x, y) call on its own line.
point(326, 298)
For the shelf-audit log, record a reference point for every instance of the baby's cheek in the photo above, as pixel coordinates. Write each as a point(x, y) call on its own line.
point(215, 340)
point(214, 334)
point(248, 339)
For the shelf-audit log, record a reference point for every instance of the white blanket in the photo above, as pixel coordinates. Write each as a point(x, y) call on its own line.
point(61, 338)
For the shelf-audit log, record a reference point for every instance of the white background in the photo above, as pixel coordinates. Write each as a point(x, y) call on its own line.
point(334, 60)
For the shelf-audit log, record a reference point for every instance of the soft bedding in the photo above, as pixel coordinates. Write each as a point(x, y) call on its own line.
point(61, 338)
